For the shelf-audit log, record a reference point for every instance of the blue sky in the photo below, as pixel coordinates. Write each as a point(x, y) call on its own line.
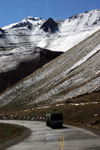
point(12, 11)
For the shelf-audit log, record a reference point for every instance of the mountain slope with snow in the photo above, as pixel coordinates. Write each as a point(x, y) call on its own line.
point(71, 74)
point(18, 63)
point(57, 35)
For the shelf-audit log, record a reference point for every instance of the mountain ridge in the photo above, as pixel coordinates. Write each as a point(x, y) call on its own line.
point(71, 32)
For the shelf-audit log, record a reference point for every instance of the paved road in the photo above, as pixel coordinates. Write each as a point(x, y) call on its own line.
point(45, 138)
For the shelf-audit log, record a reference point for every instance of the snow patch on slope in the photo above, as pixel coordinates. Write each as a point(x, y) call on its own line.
point(85, 58)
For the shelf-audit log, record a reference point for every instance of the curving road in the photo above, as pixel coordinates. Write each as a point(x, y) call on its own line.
point(45, 138)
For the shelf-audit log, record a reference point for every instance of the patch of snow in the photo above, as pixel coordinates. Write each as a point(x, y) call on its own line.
point(82, 103)
point(59, 104)
point(85, 58)
point(25, 110)
point(76, 104)
point(87, 103)
point(45, 107)
point(94, 102)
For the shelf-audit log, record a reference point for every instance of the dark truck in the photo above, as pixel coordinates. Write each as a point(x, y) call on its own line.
point(54, 120)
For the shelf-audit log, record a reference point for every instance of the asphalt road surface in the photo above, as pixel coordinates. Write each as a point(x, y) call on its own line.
point(45, 138)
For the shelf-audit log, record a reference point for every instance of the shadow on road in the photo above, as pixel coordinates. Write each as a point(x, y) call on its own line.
point(63, 127)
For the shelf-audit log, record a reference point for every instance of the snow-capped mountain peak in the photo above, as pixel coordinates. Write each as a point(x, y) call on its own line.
point(87, 19)
point(24, 22)
point(33, 18)
point(50, 25)
point(40, 32)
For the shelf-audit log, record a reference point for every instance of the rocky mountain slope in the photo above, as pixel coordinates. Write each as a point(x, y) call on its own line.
point(73, 73)
point(18, 63)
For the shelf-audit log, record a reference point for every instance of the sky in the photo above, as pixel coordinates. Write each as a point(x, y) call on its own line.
point(13, 11)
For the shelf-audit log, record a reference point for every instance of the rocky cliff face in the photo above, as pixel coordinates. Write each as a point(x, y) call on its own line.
point(50, 26)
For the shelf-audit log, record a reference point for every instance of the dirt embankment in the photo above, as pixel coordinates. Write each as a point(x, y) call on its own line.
point(26, 132)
